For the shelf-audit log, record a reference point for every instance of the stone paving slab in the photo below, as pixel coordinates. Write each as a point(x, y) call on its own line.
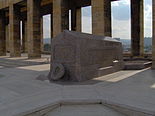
point(21, 94)
point(84, 110)
point(136, 92)
point(9, 62)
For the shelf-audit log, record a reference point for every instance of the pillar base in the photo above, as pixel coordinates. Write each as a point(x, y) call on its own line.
point(153, 65)
point(2, 54)
point(34, 56)
point(141, 56)
point(15, 55)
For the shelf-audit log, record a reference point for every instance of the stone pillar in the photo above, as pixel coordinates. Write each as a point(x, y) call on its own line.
point(34, 27)
point(153, 36)
point(7, 38)
point(2, 34)
point(76, 19)
point(24, 36)
point(79, 20)
point(101, 17)
point(137, 28)
point(73, 19)
point(14, 31)
point(60, 16)
point(51, 26)
point(42, 35)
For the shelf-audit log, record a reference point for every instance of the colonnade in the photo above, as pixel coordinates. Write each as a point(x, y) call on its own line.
point(32, 25)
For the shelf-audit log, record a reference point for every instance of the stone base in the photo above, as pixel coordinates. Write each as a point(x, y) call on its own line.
point(153, 65)
point(2, 54)
point(137, 64)
point(84, 56)
point(34, 56)
point(15, 55)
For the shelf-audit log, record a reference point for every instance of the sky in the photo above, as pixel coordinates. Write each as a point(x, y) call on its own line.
point(121, 21)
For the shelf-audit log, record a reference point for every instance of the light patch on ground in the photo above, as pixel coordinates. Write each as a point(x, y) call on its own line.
point(153, 86)
point(126, 75)
point(44, 67)
point(1, 67)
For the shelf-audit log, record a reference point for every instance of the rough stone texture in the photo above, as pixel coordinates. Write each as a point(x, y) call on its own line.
point(52, 24)
point(42, 35)
point(2, 34)
point(86, 56)
point(101, 17)
point(137, 27)
point(24, 37)
point(58, 71)
point(76, 20)
point(34, 29)
point(107, 18)
point(137, 65)
point(61, 21)
point(7, 37)
point(14, 31)
point(153, 47)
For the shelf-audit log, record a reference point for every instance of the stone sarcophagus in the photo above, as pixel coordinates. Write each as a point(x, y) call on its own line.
point(78, 56)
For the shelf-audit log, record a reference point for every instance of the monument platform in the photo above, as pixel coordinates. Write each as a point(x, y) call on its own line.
point(123, 93)
point(10, 62)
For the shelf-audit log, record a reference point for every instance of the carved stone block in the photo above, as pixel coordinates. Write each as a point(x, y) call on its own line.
point(85, 56)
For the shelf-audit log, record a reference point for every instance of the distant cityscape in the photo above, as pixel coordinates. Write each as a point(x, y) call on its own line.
point(147, 44)
point(126, 44)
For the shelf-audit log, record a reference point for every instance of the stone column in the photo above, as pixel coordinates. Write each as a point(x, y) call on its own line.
point(24, 36)
point(51, 25)
point(34, 27)
point(76, 19)
point(101, 17)
point(7, 37)
point(73, 19)
point(153, 36)
point(2, 34)
point(60, 16)
point(14, 31)
point(137, 28)
point(42, 35)
point(79, 20)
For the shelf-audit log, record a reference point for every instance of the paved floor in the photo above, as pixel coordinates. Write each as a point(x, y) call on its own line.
point(8, 62)
point(84, 110)
point(122, 93)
